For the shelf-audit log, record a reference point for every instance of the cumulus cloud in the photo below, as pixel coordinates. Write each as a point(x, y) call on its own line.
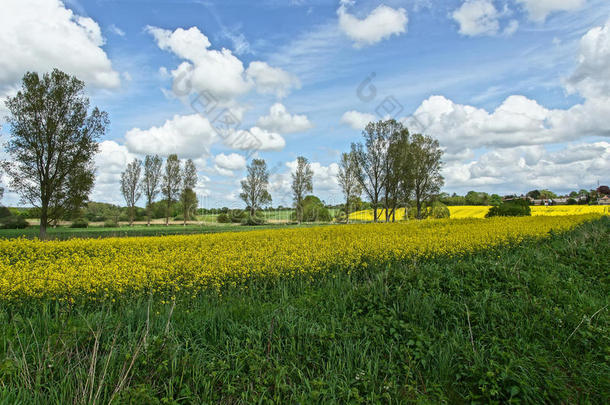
point(524, 168)
point(270, 80)
point(255, 139)
point(538, 10)
point(189, 136)
point(481, 17)
point(280, 121)
point(380, 24)
point(39, 35)
point(592, 76)
point(110, 162)
point(227, 164)
point(357, 120)
point(477, 17)
point(217, 72)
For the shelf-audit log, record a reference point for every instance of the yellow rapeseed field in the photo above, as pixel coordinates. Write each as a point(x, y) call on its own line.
point(479, 211)
point(105, 269)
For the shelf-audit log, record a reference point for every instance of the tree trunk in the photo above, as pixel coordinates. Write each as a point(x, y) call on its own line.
point(130, 216)
point(418, 209)
point(347, 211)
point(375, 213)
point(148, 215)
point(43, 223)
point(167, 213)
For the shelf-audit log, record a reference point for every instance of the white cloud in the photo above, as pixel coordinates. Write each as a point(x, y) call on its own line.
point(381, 23)
point(279, 120)
point(270, 80)
point(357, 120)
point(226, 164)
point(477, 17)
point(529, 167)
point(538, 10)
point(592, 75)
point(116, 30)
point(219, 73)
point(189, 136)
point(324, 182)
point(39, 35)
point(110, 162)
point(255, 139)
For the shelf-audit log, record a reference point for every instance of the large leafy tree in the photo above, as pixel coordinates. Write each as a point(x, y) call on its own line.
point(171, 185)
point(371, 157)
point(348, 180)
point(188, 198)
point(53, 140)
point(130, 186)
point(254, 187)
point(302, 183)
point(424, 166)
point(151, 181)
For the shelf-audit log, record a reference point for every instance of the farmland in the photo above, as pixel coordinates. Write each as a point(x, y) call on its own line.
point(503, 309)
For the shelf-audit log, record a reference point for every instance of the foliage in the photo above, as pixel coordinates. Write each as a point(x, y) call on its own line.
point(13, 222)
point(130, 186)
point(522, 324)
point(348, 181)
point(151, 181)
point(53, 139)
point(302, 183)
point(188, 198)
point(254, 187)
point(223, 218)
point(438, 210)
point(603, 190)
point(79, 223)
point(513, 208)
point(111, 224)
point(170, 186)
point(425, 164)
point(253, 220)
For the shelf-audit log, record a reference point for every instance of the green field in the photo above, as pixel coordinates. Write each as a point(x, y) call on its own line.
point(518, 324)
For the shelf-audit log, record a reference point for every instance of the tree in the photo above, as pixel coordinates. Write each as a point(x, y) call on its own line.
point(424, 166)
point(302, 183)
point(605, 190)
point(130, 186)
point(254, 187)
point(53, 139)
point(150, 182)
point(348, 180)
point(371, 162)
point(171, 184)
point(188, 198)
point(397, 183)
point(534, 194)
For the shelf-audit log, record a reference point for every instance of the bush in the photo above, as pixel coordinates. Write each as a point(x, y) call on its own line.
point(237, 216)
point(572, 201)
point(438, 210)
point(5, 212)
point(514, 208)
point(253, 220)
point(13, 222)
point(79, 223)
point(223, 218)
point(111, 224)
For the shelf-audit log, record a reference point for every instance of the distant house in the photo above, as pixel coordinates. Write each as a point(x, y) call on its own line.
point(605, 200)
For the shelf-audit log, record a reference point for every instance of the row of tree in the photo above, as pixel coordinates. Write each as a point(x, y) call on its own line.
point(393, 168)
point(174, 183)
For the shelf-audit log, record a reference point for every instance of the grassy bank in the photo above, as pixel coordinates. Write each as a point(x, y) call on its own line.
point(517, 324)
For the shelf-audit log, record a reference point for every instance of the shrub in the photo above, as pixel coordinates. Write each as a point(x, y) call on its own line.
point(438, 210)
point(514, 208)
point(13, 222)
point(223, 218)
point(237, 216)
point(5, 212)
point(572, 201)
point(111, 224)
point(79, 223)
point(253, 220)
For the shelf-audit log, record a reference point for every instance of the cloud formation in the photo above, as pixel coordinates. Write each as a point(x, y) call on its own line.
point(280, 121)
point(380, 24)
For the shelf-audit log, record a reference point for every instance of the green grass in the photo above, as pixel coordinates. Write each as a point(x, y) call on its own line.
point(65, 232)
point(523, 324)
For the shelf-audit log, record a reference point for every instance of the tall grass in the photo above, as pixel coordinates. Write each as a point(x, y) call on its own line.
point(516, 324)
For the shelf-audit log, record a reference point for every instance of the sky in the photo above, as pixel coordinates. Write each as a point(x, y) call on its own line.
point(517, 91)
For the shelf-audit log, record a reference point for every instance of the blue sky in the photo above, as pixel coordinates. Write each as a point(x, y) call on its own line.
point(516, 91)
